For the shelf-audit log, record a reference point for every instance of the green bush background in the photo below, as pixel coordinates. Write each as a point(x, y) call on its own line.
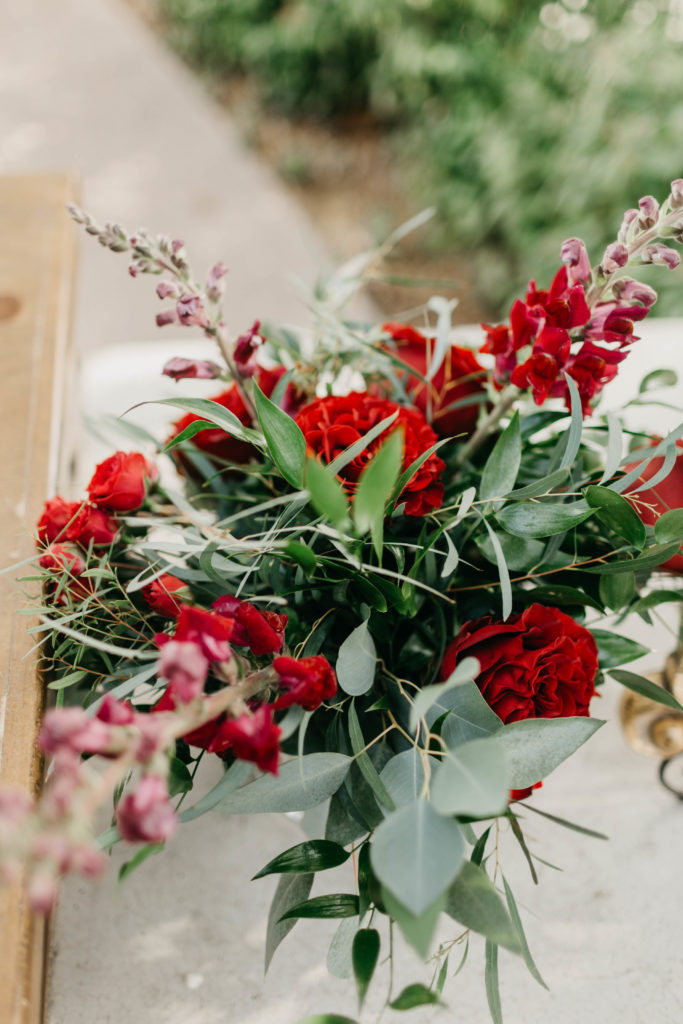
point(525, 122)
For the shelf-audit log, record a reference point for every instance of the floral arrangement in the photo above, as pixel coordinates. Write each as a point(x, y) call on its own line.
point(379, 590)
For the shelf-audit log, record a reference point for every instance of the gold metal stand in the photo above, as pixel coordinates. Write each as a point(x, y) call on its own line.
point(655, 730)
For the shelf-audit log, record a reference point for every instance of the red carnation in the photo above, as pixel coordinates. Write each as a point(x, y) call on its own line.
point(120, 482)
point(308, 682)
point(333, 423)
point(261, 631)
point(460, 376)
point(163, 595)
point(664, 496)
point(208, 630)
point(538, 664)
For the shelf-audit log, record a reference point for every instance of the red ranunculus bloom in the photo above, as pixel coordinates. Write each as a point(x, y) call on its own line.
point(120, 483)
point(460, 376)
point(664, 496)
point(333, 423)
point(163, 595)
point(252, 737)
point(261, 631)
point(218, 443)
point(539, 664)
point(209, 630)
point(76, 521)
point(308, 682)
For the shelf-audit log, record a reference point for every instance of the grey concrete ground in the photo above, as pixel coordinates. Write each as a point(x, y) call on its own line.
point(84, 86)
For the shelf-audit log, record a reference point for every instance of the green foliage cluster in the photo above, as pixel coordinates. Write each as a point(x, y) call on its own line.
point(525, 121)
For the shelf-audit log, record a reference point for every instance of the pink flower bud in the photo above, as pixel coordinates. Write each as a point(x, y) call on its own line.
point(73, 730)
point(166, 290)
point(661, 255)
point(203, 369)
point(628, 220)
point(115, 712)
point(245, 349)
point(66, 778)
point(190, 310)
point(176, 245)
point(152, 737)
point(649, 211)
point(214, 282)
point(676, 199)
point(616, 256)
point(146, 816)
point(15, 804)
point(42, 891)
point(88, 860)
point(573, 253)
point(184, 665)
point(169, 316)
point(52, 847)
point(133, 270)
point(627, 290)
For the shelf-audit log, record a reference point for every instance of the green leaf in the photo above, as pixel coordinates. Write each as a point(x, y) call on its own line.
point(339, 961)
point(404, 776)
point(669, 527)
point(286, 443)
point(474, 902)
point(518, 553)
point(302, 555)
point(645, 687)
point(617, 513)
point(536, 746)
point(179, 778)
point(416, 854)
point(418, 930)
point(663, 378)
point(314, 855)
point(413, 995)
point(364, 954)
point(657, 597)
point(469, 716)
point(565, 824)
point(301, 783)
point(480, 847)
point(502, 466)
point(291, 890)
point(334, 905)
point(472, 780)
point(327, 494)
point(545, 485)
point(356, 661)
point(617, 589)
point(211, 412)
point(575, 427)
point(465, 672)
point(526, 519)
point(368, 770)
point(615, 447)
point(650, 559)
point(139, 858)
point(614, 650)
point(327, 1018)
point(524, 945)
point(503, 574)
point(491, 979)
point(238, 773)
point(410, 471)
point(374, 489)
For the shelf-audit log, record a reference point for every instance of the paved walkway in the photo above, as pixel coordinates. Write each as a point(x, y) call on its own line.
point(84, 85)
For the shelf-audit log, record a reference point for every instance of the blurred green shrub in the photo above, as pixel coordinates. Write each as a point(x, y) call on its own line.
point(525, 121)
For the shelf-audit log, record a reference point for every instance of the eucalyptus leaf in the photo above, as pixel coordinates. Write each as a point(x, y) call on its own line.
point(617, 513)
point(301, 783)
point(536, 746)
point(418, 930)
point(339, 954)
point(404, 775)
point(364, 955)
point(645, 687)
point(414, 995)
point(327, 494)
point(669, 527)
point(291, 891)
point(472, 780)
point(374, 489)
point(465, 672)
point(469, 716)
point(502, 466)
point(474, 902)
point(491, 980)
point(527, 519)
point(416, 854)
point(356, 661)
point(615, 650)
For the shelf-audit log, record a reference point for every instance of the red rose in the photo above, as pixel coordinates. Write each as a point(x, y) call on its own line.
point(261, 631)
point(120, 482)
point(459, 376)
point(539, 664)
point(163, 595)
point(76, 521)
point(308, 682)
point(65, 560)
point(663, 497)
point(219, 443)
point(208, 630)
point(333, 423)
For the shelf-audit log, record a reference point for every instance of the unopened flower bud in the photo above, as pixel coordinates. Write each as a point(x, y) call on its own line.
point(73, 730)
point(676, 198)
point(649, 211)
point(573, 253)
point(627, 290)
point(661, 255)
point(146, 816)
point(177, 245)
point(190, 310)
point(629, 218)
point(185, 667)
point(42, 891)
point(202, 369)
point(616, 256)
point(133, 270)
point(214, 282)
point(245, 349)
point(169, 316)
point(166, 290)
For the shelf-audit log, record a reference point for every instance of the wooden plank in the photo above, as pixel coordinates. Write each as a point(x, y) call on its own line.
point(37, 264)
